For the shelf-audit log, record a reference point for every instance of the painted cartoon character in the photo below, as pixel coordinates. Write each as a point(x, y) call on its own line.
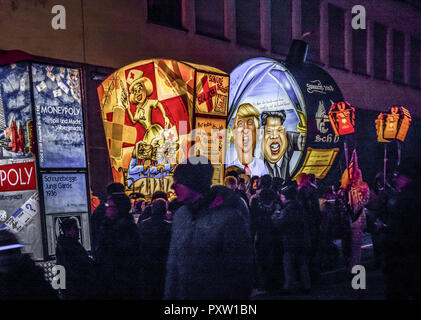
point(140, 88)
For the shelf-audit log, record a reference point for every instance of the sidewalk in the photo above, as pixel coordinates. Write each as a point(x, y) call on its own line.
point(336, 284)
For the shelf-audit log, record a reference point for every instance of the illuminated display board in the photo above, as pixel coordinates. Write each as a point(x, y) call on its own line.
point(277, 115)
point(148, 110)
point(58, 127)
point(58, 109)
point(64, 193)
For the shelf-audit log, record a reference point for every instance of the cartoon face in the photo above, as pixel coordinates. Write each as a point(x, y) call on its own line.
point(138, 93)
point(275, 140)
point(145, 151)
point(245, 136)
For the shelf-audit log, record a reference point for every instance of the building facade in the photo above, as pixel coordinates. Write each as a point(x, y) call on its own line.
point(375, 67)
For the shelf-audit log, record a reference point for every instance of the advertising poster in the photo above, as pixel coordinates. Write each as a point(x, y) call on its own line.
point(210, 140)
point(64, 193)
point(266, 118)
point(212, 94)
point(320, 92)
point(147, 111)
point(19, 204)
point(59, 116)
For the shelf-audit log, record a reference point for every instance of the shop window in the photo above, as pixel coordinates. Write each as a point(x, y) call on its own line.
point(380, 39)
point(398, 56)
point(248, 22)
point(336, 36)
point(414, 75)
point(310, 22)
point(165, 12)
point(210, 18)
point(359, 51)
point(281, 26)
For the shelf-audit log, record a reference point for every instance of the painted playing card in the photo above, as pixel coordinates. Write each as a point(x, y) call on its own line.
point(13, 225)
point(51, 76)
point(22, 84)
point(57, 93)
point(41, 86)
point(63, 87)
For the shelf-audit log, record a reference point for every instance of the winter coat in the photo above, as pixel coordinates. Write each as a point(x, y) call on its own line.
point(210, 254)
point(96, 221)
point(80, 269)
point(293, 227)
point(403, 243)
point(118, 258)
point(21, 279)
point(309, 200)
point(155, 235)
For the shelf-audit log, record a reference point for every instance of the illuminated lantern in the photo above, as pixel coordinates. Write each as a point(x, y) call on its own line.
point(352, 180)
point(342, 118)
point(393, 125)
point(156, 113)
point(277, 118)
point(380, 121)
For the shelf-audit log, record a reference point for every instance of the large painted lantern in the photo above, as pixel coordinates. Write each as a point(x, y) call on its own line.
point(156, 113)
point(277, 118)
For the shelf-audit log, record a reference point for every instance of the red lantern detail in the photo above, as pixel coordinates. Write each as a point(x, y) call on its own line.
point(342, 118)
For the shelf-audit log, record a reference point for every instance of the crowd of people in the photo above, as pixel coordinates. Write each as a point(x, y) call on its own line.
point(251, 236)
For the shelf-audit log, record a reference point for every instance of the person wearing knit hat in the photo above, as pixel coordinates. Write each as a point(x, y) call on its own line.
point(211, 251)
point(192, 179)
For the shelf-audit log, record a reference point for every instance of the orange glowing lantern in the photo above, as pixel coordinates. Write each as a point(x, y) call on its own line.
point(342, 118)
point(393, 125)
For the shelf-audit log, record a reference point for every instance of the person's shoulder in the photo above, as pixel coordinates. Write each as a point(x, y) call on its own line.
point(181, 214)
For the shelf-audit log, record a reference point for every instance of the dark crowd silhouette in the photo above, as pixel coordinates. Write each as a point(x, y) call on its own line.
point(253, 236)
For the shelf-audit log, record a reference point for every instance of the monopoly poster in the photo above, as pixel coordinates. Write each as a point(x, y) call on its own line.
point(59, 116)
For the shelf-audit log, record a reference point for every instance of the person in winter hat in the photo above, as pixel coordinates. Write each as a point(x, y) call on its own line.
point(210, 255)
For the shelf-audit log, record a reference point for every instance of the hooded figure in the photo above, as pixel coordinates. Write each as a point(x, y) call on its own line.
point(118, 252)
point(80, 268)
point(155, 234)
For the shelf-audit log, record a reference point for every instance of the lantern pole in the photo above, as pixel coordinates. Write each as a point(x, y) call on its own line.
point(384, 164)
point(347, 169)
point(399, 152)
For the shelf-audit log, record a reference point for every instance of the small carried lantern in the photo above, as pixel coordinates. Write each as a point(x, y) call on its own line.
point(393, 125)
point(342, 118)
point(352, 180)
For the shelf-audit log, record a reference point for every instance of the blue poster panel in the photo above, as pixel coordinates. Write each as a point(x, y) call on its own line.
point(15, 112)
point(59, 117)
point(65, 193)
